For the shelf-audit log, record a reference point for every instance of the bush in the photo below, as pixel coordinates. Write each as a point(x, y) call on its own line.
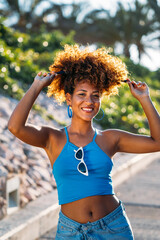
point(8, 85)
point(24, 55)
point(48, 42)
point(124, 111)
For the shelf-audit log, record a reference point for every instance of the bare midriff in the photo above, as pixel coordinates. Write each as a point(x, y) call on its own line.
point(90, 209)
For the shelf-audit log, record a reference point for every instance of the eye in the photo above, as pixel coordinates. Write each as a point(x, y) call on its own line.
point(96, 96)
point(82, 94)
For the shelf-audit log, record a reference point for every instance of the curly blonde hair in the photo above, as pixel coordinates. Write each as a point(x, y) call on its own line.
point(98, 67)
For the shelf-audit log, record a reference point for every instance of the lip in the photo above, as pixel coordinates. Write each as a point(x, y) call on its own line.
point(87, 109)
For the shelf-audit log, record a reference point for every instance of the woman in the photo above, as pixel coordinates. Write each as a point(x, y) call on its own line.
point(80, 154)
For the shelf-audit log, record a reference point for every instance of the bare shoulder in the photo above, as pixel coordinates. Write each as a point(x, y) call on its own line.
point(56, 141)
point(131, 142)
point(112, 134)
point(107, 140)
point(55, 136)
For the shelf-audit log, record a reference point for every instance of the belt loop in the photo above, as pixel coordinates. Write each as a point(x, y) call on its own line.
point(102, 224)
point(80, 228)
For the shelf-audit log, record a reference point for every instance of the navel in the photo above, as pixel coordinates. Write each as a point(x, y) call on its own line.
point(90, 214)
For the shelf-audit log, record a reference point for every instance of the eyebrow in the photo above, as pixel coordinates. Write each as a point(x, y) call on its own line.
point(86, 91)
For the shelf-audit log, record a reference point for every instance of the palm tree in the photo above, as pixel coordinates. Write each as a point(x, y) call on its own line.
point(133, 24)
point(97, 29)
point(25, 13)
point(156, 7)
point(123, 23)
point(127, 27)
point(27, 16)
point(86, 32)
point(145, 28)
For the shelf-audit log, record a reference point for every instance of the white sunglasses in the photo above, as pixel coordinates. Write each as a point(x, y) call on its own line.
point(79, 155)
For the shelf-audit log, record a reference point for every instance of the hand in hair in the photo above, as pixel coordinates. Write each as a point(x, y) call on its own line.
point(45, 79)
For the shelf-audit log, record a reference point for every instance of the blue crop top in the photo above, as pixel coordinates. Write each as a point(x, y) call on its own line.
point(71, 184)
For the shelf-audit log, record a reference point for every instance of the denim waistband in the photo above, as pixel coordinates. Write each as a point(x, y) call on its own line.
point(108, 218)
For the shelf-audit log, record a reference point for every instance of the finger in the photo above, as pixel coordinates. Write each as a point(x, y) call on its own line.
point(133, 83)
point(44, 74)
point(142, 84)
point(52, 73)
point(128, 80)
point(39, 74)
point(138, 84)
point(130, 85)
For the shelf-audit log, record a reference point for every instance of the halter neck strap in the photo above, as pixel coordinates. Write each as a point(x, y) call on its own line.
point(66, 134)
point(95, 134)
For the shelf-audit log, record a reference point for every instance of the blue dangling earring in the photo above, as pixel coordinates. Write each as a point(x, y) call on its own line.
point(98, 119)
point(69, 110)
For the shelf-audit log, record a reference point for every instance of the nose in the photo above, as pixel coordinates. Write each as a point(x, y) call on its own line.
point(89, 99)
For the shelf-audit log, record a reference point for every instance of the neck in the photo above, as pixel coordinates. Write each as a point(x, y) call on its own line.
point(81, 127)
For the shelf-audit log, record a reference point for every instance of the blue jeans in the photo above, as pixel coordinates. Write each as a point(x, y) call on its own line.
point(113, 226)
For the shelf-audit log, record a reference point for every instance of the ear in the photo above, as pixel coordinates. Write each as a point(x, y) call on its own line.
point(68, 98)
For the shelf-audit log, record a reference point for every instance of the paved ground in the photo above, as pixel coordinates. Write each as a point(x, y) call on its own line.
point(141, 197)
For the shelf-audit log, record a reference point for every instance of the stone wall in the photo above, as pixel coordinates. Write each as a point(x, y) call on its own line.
point(30, 163)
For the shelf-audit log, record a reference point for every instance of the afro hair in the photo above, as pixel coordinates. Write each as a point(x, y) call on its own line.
point(97, 67)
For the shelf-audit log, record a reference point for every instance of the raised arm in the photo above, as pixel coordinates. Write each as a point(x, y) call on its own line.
point(135, 143)
point(17, 124)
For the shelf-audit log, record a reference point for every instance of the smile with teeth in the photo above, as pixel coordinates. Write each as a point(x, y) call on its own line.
point(86, 109)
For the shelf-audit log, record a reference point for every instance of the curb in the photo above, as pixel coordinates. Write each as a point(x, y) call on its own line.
point(32, 222)
point(136, 164)
point(36, 226)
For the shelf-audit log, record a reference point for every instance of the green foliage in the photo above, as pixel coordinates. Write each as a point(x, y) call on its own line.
point(123, 111)
point(11, 37)
point(23, 55)
point(135, 70)
point(48, 42)
point(9, 85)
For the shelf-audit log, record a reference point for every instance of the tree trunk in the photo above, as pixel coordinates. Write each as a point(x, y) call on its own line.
point(126, 50)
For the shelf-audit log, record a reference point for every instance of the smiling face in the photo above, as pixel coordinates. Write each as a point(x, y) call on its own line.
point(85, 101)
